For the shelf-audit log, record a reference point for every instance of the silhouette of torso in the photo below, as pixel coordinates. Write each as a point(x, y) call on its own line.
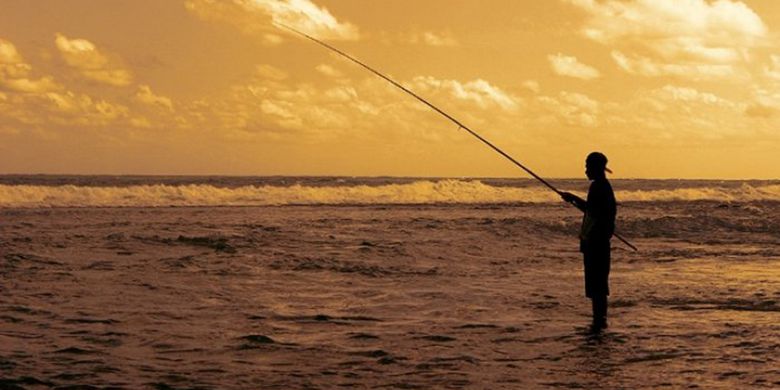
point(598, 223)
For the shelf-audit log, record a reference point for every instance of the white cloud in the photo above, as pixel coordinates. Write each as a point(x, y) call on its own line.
point(477, 91)
point(15, 73)
point(773, 70)
point(306, 16)
point(767, 99)
point(679, 24)
point(272, 39)
point(430, 38)
point(532, 85)
point(581, 101)
point(43, 105)
point(692, 38)
point(253, 16)
point(146, 96)
point(573, 109)
point(283, 110)
point(645, 66)
point(83, 55)
point(8, 53)
point(686, 114)
point(270, 72)
point(570, 66)
point(26, 85)
point(442, 39)
point(69, 108)
point(690, 95)
point(418, 37)
point(140, 122)
point(14, 70)
point(341, 94)
point(328, 70)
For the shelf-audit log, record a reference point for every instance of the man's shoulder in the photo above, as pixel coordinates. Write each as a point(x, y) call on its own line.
point(601, 183)
point(602, 187)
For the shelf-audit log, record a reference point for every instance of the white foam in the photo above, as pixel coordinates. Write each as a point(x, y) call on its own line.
point(743, 193)
point(423, 191)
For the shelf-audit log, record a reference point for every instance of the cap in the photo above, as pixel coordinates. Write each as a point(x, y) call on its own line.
point(598, 159)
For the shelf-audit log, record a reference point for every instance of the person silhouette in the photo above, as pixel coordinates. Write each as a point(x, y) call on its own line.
point(598, 226)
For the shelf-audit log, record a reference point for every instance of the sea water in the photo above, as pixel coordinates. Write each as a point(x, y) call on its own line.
point(325, 282)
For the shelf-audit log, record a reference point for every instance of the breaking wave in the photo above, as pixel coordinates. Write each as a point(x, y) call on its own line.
point(418, 192)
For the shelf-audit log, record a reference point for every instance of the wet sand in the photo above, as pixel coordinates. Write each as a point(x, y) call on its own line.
point(401, 296)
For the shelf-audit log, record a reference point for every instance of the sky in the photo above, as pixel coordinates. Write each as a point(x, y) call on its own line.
point(665, 88)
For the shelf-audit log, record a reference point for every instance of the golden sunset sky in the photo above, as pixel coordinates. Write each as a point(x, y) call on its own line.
point(665, 88)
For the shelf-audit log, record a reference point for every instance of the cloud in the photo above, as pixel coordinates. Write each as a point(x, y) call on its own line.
point(284, 113)
point(645, 66)
point(570, 66)
point(26, 85)
point(680, 115)
point(306, 16)
point(328, 70)
point(15, 73)
point(571, 108)
point(692, 38)
point(146, 96)
point(84, 56)
point(272, 39)
point(42, 105)
point(8, 53)
point(270, 72)
point(773, 70)
point(443, 39)
point(283, 110)
point(257, 16)
point(478, 91)
point(677, 26)
point(532, 85)
point(88, 110)
point(417, 37)
point(760, 111)
point(48, 113)
point(342, 93)
point(430, 38)
point(766, 101)
point(690, 95)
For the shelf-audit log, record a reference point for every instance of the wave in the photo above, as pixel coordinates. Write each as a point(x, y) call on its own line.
point(418, 192)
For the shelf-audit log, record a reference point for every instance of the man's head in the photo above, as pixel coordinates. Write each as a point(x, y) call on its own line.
point(596, 165)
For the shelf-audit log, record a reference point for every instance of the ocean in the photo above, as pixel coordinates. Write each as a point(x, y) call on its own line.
point(329, 282)
point(154, 191)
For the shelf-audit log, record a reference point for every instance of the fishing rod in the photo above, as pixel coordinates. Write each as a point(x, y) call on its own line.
point(437, 109)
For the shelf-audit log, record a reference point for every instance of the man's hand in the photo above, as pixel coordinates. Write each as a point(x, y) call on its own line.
point(568, 197)
point(578, 202)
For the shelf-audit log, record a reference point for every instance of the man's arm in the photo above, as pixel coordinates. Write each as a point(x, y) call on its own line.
point(578, 202)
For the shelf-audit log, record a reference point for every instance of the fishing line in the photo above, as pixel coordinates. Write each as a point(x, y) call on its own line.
point(437, 109)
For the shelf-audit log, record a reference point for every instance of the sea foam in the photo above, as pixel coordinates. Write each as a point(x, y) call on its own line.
point(417, 192)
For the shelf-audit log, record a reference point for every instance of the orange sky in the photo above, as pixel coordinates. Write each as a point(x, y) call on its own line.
point(666, 88)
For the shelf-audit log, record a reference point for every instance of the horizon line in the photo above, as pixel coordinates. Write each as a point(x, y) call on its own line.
point(371, 176)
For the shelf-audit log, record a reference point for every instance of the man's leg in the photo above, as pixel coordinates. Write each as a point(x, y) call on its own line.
point(600, 311)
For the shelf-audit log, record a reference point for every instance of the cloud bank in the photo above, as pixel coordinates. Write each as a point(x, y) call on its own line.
point(570, 66)
point(84, 56)
point(258, 16)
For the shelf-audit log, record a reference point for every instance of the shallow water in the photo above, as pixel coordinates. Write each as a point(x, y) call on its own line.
point(398, 296)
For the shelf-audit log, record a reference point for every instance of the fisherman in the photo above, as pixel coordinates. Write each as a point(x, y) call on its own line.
point(598, 226)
